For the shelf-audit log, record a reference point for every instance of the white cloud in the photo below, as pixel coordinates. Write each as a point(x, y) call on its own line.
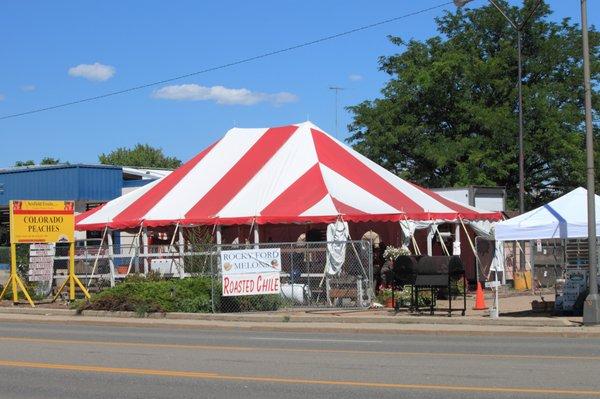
point(355, 77)
point(221, 95)
point(28, 88)
point(96, 71)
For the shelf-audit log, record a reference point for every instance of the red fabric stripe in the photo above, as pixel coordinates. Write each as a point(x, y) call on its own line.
point(241, 173)
point(341, 161)
point(142, 205)
point(300, 196)
point(86, 214)
point(345, 209)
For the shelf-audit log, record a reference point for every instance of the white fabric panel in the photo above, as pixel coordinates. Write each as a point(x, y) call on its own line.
point(337, 235)
point(118, 205)
point(498, 261)
point(205, 175)
point(350, 194)
point(483, 228)
point(325, 207)
point(565, 217)
point(288, 164)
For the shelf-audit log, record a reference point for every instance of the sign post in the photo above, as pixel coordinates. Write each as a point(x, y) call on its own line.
point(43, 222)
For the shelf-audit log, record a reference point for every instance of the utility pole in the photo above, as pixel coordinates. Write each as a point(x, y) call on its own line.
point(337, 90)
point(519, 29)
point(591, 306)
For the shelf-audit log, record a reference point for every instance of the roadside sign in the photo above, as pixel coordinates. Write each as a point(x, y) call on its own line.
point(492, 284)
point(38, 223)
point(251, 272)
point(42, 221)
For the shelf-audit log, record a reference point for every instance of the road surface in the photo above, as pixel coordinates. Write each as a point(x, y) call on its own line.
point(46, 360)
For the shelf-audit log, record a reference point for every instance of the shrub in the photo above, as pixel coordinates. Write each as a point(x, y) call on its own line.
point(145, 296)
point(191, 295)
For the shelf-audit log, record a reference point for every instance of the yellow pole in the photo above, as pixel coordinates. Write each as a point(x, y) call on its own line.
point(13, 272)
point(72, 271)
point(72, 278)
point(14, 280)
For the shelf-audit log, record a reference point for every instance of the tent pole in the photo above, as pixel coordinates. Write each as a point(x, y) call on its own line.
point(97, 257)
point(442, 242)
point(145, 250)
point(111, 258)
point(472, 248)
point(171, 246)
point(181, 246)
point(135, 243)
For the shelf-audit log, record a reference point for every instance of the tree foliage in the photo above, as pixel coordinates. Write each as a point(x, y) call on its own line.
point(50, 161)
point(448, 114)
point(24, 163)
point(142, 155)
point(44, 161)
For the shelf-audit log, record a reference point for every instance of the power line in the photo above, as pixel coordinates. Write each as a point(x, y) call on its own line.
point(223, 66)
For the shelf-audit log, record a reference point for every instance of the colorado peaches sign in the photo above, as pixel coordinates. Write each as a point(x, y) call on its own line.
point(251, 272)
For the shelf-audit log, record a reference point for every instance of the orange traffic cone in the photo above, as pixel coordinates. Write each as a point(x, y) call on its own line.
point(479, 299)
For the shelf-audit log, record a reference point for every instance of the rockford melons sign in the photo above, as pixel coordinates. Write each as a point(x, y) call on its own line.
point(251, 272)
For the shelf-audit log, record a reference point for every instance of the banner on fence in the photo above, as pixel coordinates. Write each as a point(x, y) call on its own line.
point(251, 271)
point(42, 221)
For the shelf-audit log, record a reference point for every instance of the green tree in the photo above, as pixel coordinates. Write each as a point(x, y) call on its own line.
point(142, 155)
point(24, 163)
point(448, 114)
point(44, 161)
point(50, 161)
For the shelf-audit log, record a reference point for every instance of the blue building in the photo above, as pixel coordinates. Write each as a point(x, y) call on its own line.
point(87, 185)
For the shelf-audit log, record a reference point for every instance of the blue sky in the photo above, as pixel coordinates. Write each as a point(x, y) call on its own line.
point(50, 48)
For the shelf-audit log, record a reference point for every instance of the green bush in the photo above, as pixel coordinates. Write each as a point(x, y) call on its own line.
point(147, 296)
point(191, 295)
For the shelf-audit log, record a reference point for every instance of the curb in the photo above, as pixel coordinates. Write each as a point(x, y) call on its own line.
point(314, 327)
point(572, 332)
point(304, 318)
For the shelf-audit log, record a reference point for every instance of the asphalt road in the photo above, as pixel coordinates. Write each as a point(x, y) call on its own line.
point(49, 360)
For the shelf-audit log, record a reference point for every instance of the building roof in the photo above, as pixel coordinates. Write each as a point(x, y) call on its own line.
point(24, 169)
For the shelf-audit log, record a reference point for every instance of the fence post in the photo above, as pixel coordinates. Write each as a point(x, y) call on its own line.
point(213, 270)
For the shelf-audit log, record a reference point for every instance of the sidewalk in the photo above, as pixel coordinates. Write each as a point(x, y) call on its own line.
point(321, 320)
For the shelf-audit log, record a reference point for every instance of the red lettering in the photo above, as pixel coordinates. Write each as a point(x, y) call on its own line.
point(225, 285)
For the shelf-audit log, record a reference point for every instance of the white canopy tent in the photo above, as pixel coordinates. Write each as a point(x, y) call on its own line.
point(563, 218)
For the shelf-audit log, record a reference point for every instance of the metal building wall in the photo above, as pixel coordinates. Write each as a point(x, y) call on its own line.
point(62, 182)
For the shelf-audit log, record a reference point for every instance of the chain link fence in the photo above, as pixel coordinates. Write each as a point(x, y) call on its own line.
point(303, 279)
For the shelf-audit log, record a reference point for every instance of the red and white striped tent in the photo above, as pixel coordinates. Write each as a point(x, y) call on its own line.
point(287, 174)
